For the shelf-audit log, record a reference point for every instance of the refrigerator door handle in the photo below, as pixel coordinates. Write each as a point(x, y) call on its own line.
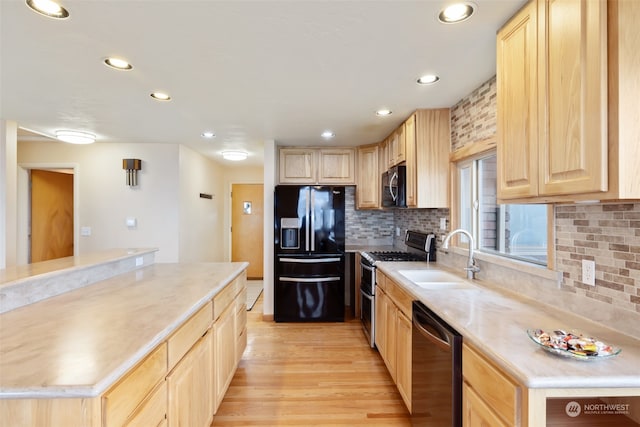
point(308, 280)
point(394, 177)
point(306, 221)
point(309, 260)
point(313, 219)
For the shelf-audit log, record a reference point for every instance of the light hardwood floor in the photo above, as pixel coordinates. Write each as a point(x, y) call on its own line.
point(310, 374)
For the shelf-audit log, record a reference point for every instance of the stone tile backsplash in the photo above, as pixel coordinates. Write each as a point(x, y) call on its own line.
point(608, 234)
point(473, 118)
point(366, 225)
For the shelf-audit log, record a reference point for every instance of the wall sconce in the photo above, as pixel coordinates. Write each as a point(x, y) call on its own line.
point(132, 166)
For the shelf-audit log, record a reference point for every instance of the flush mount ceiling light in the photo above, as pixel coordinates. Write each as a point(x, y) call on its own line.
point(327, 134)
point(456, 12)
point(383, 112)
point(427, 79)
point(48, 8)
point(235, 155)
point(75, 137)
point(208, 134)
point(160, 96)
point(118, 63)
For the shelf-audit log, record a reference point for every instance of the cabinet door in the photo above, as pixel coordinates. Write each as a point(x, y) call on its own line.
point(297, 166)
point(381, 321)
point(225, 354)
point(190, 386)
point(573, 93)
point(403, 355)
point(336, 166)
point(368, 183)
point(410, 158)
point(517, 128)
point(476, 413)
point(391, 317)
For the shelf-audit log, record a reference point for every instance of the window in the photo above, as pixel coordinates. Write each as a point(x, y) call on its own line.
point(514, 231)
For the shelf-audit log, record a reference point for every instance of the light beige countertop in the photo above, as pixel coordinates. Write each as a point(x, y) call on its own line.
point(496, 322)
point(65, 265)
point(79, 343)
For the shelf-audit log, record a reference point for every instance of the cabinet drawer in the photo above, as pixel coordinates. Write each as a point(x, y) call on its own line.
point(120, 402)
point(154, 409)
point(228, 294)
point(381, 280)
point(500, 392)
point(402, 299)
point(187, 335)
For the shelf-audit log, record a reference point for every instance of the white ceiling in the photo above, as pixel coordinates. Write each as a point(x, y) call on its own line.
point(248, 70)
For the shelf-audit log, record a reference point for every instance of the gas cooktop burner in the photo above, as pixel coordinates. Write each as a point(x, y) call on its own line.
point(396, 256)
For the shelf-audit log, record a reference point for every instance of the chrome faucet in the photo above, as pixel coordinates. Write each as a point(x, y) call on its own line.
point(472, 268)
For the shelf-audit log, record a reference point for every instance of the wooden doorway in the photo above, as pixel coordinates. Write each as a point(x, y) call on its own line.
point(247, 208)
point(51, 215)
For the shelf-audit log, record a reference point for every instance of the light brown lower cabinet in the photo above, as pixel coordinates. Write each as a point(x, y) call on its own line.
point(393, 333)
point(190, 387)
point(490, 396)
point(180, 383)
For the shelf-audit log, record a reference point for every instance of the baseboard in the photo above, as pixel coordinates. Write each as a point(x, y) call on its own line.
point(267, 317)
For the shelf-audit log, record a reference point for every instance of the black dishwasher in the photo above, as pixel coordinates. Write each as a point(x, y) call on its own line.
point(436, 371)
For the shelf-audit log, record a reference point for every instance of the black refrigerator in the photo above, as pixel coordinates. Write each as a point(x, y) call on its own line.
point(309, 254)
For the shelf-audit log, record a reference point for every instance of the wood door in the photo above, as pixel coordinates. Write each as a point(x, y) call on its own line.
point(247, 227)
point(51, 215)
point(404, 357)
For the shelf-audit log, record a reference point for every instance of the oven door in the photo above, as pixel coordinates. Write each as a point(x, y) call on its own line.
point(367, 316)
point(367, 301)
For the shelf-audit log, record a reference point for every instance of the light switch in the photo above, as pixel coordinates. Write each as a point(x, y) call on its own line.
point(131, 222)
point(85, 231)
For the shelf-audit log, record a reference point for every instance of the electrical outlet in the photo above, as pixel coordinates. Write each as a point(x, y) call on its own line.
point(588, 272)
point(398, 231)
point(443, 223)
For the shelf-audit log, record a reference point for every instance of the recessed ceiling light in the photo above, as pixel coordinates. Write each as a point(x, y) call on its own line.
point(327, 134)
point(383, 112)
point(428, 79)
point(118, 63)
point(235, 155)
point(456, 12)
point(75, 137)
point(208, 134)
point(161, 96)
point(48, 8)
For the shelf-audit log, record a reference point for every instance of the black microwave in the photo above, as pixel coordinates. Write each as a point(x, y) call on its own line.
point(394, 187)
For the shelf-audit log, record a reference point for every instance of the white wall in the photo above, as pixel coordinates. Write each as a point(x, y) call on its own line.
point(8, 185)
point(201, 220)
point(270, 164)
point(105, 201)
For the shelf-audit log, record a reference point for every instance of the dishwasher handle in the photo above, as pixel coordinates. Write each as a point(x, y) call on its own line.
point(432, 329)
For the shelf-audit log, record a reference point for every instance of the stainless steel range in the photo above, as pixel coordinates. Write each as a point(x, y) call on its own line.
point(420, 247)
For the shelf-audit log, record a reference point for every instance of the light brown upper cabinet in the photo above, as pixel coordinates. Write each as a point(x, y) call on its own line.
point(427, 147)
point(396, 147)
point(317, 166)
point(368, 185)
point(567, 90)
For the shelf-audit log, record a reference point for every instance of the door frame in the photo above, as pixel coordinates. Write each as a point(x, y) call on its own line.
point(23, 202)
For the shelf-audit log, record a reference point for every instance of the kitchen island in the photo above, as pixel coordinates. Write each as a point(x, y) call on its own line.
point(111, 353)
point(494, 326)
